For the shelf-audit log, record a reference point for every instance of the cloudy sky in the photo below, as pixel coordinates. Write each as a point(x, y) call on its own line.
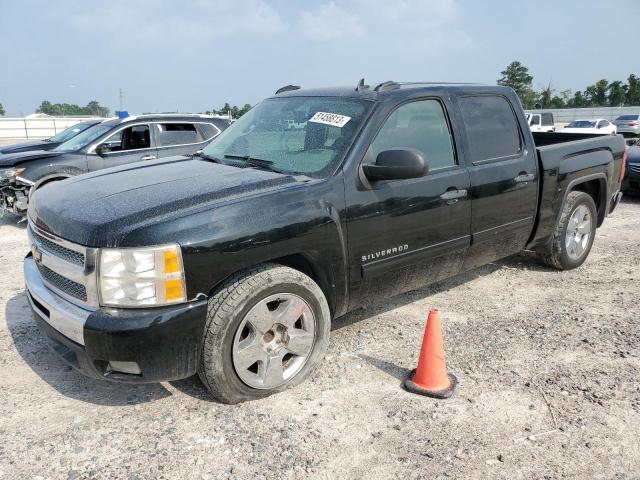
point(196, 54)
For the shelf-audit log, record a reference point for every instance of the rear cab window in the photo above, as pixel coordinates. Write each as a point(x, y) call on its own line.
point(491, 126)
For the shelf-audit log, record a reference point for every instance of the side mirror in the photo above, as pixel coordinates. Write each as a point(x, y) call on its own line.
point(102, 149)
point(396, 165)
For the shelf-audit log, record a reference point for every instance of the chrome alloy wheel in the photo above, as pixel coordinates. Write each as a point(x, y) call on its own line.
point(273, 341)
point(578, 232)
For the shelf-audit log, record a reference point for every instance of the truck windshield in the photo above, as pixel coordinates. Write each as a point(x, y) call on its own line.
point(306, 135)
point(83, 139)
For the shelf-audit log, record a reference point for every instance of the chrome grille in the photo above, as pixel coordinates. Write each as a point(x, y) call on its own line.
point(58, 250)
point(66, 268)
point(63, 284)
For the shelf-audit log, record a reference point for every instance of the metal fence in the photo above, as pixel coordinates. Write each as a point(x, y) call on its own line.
point(566, 115)
point(35, 128)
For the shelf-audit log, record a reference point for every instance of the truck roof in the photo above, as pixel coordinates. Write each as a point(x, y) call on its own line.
point(388, 89)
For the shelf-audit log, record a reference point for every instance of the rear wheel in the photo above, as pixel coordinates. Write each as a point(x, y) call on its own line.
point(574, 235)
point(267, 329)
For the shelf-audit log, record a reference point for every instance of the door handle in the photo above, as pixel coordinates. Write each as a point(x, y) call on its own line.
point(148, 157)
point(452, 196)
point(525, 177)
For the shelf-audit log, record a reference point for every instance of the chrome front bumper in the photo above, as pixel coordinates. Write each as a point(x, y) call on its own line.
point(64, 316)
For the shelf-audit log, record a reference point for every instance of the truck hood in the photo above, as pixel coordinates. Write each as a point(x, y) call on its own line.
point(100, 209)
point(12, 159)
point(25, 146)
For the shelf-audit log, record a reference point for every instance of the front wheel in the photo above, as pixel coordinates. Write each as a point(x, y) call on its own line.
point(574, 235)
point(267, 329)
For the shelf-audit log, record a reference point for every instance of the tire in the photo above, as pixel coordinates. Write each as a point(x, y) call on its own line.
point(563, 254)
point(253, 297)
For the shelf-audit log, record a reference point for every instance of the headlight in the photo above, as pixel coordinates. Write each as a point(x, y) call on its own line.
point(7, 173)
point(139, 277)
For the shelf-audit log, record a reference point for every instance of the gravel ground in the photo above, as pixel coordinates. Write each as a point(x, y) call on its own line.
point(547, 364)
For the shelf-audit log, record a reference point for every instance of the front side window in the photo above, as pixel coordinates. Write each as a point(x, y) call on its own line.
point(307, 135)
point(581, 124)
point(421, 126)
point(491, 126)
point(132, 138)
point(535, 120)
point(177, 134)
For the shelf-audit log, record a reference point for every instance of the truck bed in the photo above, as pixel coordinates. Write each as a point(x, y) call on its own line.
point(590, 161)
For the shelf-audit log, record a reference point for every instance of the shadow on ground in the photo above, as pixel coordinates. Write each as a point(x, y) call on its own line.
point(33, 347)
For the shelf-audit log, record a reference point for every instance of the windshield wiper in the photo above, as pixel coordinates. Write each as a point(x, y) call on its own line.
point(255, 162)
point(204, 156)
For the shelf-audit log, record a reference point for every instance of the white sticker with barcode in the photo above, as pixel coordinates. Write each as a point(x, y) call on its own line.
point(332, 119)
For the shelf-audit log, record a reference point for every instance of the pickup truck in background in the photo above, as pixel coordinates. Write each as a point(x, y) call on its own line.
point(233, 262)
point(541, 122)
point(116, 141)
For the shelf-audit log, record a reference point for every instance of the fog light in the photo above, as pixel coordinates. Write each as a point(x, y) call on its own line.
point(124, 367)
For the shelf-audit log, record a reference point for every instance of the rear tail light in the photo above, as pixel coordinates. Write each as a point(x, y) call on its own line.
point(633, 124)
point(623, 170)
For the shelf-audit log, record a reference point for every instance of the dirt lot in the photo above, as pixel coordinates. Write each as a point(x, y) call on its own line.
point(529, 345)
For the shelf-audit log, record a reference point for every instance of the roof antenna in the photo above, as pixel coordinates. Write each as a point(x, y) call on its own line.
point(361, 86)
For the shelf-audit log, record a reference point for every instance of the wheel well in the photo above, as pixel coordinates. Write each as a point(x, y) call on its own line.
point(302, 264)
point(49, 180)
point(596, 188)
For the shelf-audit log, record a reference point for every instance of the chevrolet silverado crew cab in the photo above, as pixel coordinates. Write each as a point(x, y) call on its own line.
point(232, 262)
point(111, 142)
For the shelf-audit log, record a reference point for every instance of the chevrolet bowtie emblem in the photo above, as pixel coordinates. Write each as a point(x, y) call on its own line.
point(37, 253)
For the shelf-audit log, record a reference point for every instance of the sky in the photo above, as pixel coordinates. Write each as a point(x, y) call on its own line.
point(194, 55)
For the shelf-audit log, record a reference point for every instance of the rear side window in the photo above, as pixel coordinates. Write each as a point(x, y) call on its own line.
point(421, 126)
point(178, 134)
point(547, 119)
point(492, 129)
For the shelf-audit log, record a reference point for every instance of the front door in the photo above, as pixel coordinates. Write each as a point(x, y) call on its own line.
point(131, 144)
point(404, 234)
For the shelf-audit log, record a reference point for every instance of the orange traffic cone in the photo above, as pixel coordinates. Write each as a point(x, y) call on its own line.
point(431, 377)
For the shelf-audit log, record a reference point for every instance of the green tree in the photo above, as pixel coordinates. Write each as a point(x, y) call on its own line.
point(65, 109)
point(632, 95)
point(517, 77)
point(546, 96)
point(596, 94)
point(2, 112)
point(578, 101)
point(617, 92)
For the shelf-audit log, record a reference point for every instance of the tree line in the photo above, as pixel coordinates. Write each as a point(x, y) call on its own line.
point(92, 108)
point(234, 111)
point(601, 94)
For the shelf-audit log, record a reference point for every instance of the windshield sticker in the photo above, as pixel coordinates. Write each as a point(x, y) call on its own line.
point(332, 119)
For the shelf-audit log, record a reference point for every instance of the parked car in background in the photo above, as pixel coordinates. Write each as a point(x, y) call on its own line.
point(598, 125)
point(628, 125)
point(541, 122)
point(232, 263)
point(53, 142)
point(631, 183)
point(111, 142)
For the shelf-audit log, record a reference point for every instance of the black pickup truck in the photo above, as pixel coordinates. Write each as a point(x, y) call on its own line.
point(232, 263)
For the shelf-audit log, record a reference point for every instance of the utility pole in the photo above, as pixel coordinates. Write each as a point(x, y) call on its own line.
point(121, 98)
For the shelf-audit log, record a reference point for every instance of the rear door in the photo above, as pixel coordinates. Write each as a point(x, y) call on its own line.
point(183, 138)
point(404, 234)
point(127, 145)
point(504, 178)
